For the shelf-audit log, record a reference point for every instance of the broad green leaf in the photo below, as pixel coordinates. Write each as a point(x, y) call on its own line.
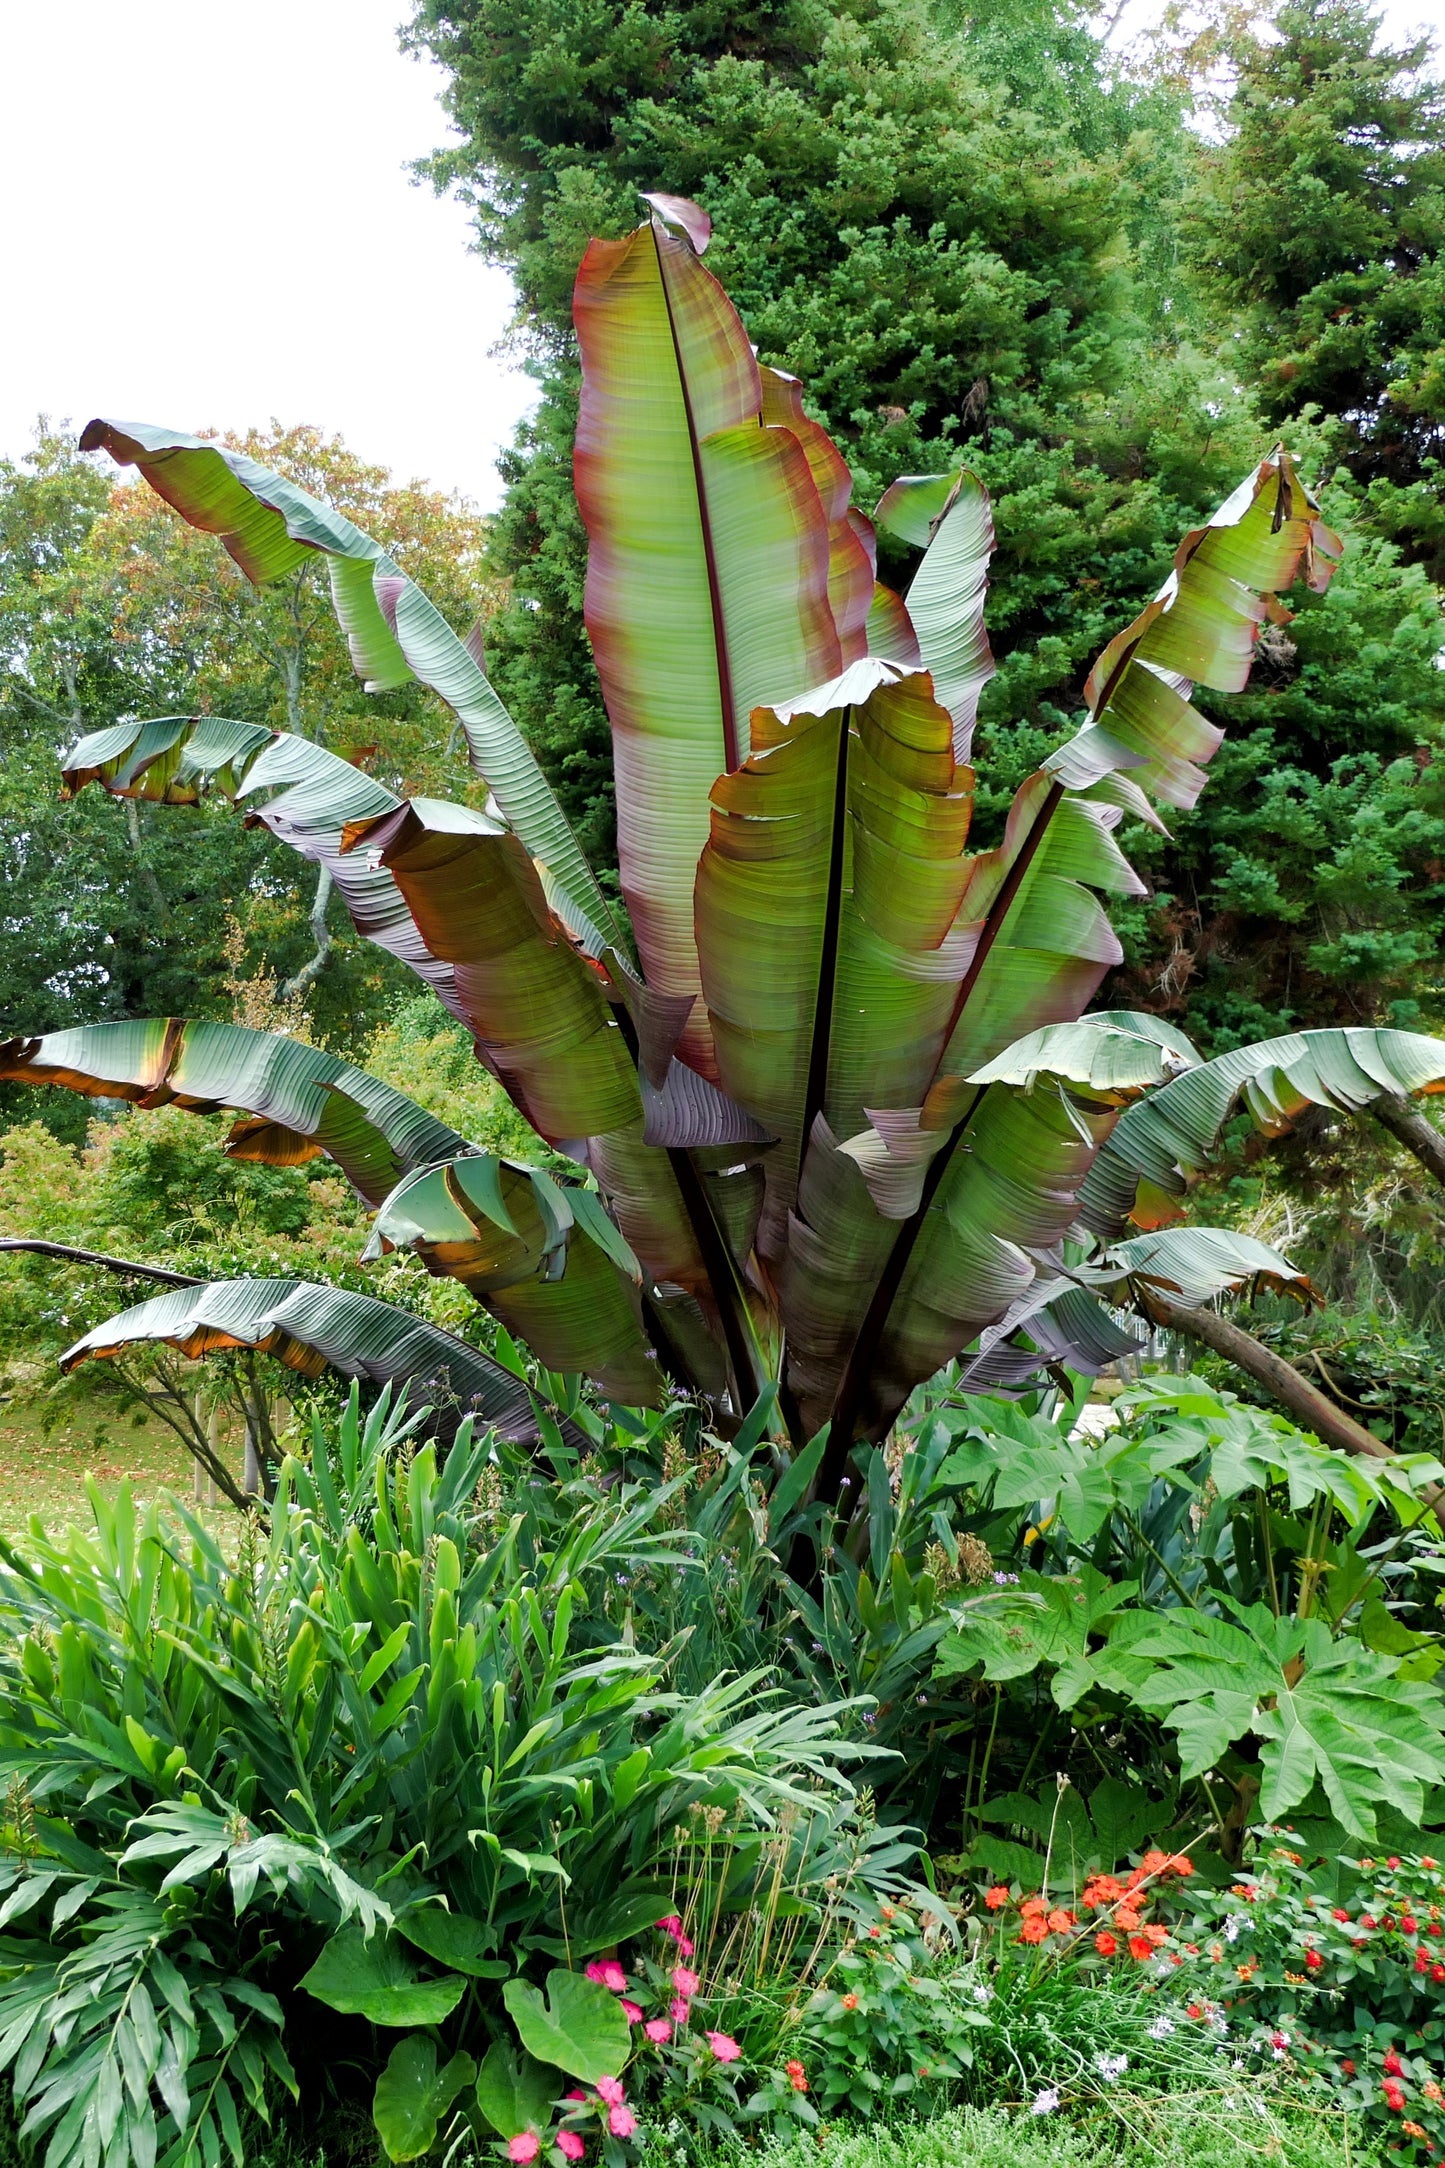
point(1047, 1621)
point(708, 568)
point(579, 2025)
point(269, 527)
point(1161, 1144)
point(459, 1943)
point(413, 2094)
point(378, 1980)
point(302, 1101)
point(515, 2093)
point(308, 1327)
point(533, 1256)
point(950, 518)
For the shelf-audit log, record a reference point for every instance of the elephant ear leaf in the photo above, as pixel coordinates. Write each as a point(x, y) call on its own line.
point(453, 1940)
point(514, 2092)
point(413, 2094)
point(376, 1979)
point(579, 2025)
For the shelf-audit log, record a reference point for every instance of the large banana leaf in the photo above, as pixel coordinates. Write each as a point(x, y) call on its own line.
point(708, 572)
point(842, 835)
point(301, 1102)
point(395, 633)
point(1160, 1144)
point(176, 759)
point(312, 1328)
point(541, 1256)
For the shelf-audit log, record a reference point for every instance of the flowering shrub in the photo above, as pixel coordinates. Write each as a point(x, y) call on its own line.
point(1350, 1991)
point(890, 2021)
point(1108, 1920)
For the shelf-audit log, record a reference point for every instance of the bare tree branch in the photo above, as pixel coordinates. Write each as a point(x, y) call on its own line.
point(1410, 1127)
point(310, 972)
point(98, 1257)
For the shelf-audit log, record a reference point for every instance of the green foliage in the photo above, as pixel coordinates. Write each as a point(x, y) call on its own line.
point(1320, 220)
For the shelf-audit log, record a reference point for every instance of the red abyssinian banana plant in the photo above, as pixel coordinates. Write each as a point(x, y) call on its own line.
point(836, 1110)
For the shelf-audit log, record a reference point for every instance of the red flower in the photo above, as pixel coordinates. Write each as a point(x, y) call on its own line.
point(1437, 1973)
point(1337, 1914)
point(1349, 2068)
point(796, 2078)
point(1313, 1960)
point(850, 2002)
point(1422, 1962)
point(997, 1896)
point(1394, 2068)
point(1392, 1862)
point(1434, 1928)
point(1367, 1919)
point(1409, 1924)
point(1394, 2097)
point(1105, 1943)
point(1194, 2010)
point(1140, 1947)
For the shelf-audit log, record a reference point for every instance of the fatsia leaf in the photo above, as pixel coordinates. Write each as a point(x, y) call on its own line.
point(1323, 1711)
point(309, 1327)
point(708, 567)
point(313, 794)
point(540, 1255)
point(302, 1102)
point(950, 517)
point(269, 527)
point(1161, 1143)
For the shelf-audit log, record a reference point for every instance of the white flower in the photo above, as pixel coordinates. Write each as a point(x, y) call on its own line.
point(1232, 1926)
point(983, 1994)
point(1046, 2101)
point(1161, 2028)
point(1238, 2063)
point(1111, 2066)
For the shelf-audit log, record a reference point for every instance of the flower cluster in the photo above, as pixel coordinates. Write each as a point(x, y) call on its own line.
point(1117, 1908)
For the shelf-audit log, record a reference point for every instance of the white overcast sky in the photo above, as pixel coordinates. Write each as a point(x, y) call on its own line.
point(209, 222)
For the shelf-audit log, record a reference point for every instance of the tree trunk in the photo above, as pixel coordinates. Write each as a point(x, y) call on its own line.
point(1413, 1129)
point(291, 989)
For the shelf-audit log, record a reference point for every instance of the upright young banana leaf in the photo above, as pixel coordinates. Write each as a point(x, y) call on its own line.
point(311, 1328)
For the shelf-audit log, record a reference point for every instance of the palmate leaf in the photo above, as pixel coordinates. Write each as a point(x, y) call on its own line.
point(395, 633)
point(1324, 1711)
point(177, 759)
point(310, 1328)
point(1159, 1145)
point(708, 572)
point(302, 1102)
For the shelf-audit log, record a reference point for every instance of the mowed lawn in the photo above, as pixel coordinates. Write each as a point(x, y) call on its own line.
point(45, 1473)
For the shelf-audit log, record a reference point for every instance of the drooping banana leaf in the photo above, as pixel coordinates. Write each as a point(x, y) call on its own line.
point(176, 759)
point(1160, 1144)
point(852, 549)
point(708, 569)
point(300, 1101)
point(311, 1328)
point(540, 1255)
point(395, 633)
point(949, 517)
point(842, 836)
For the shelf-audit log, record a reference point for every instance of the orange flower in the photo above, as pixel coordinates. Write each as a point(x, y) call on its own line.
point(1032, 1906)
point(850, 2002)
point(1431, 2090)
point(1034, 1930)
point(1216, 1952)
point(997, 1896)
point(1179, 1863)
point(1153, 1863)
point(1156, 1934)
point(1140, 1947)
point(1246, 1972)
point(1105, 1943)
point(1127, 1918)
point(1105, 1889)
point(1060, 1922)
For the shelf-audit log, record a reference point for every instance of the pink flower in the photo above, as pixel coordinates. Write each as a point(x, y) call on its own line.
point(621, 2122)
point(609, 1974)
point(672, 1925)
point(610, 2090)
point(678, 2009)
point(658, 2028)
point(631, 2012)
point(684, 1947)
point(570, 2145)
point(525, 2146)
point(686, 1983)
point(724, 2047)
point(576, 2093)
